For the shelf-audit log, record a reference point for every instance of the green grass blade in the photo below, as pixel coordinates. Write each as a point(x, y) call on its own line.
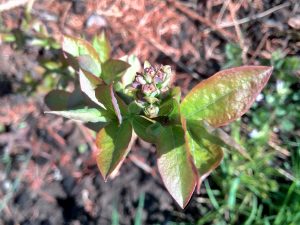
point(139, 212)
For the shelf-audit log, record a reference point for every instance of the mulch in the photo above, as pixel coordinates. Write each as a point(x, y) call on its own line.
point(47, 172)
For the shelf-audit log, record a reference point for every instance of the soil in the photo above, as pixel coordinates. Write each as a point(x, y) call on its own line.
point(47, 171)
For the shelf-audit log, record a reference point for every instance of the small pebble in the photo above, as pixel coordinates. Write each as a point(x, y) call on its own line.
point(96, 21)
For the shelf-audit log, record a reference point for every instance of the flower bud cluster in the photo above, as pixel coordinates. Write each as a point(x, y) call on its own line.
point(150, 86)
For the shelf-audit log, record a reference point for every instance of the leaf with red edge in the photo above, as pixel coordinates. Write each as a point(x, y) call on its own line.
point(113, 144)
point(216, 136)
point(206, 154)
point(135, 66)
point(112, 102)
point(175, 164)
point(225, 96)
point(113, 69)
point(86, 63)
point(88, 84)
point(78, 47)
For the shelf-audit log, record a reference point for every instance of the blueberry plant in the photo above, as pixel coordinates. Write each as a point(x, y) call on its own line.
point(120, 100)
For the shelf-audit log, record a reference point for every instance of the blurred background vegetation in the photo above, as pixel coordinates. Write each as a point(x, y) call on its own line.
point(39, 151)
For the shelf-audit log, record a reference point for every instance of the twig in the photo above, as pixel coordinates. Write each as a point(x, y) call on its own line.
point(64, 16)
point(232, 10)
point(259, 47)
point(141, 164)
point(222, 11)
point(281, 150)
point(12, 4)
point(255, 17)
point(194, 15)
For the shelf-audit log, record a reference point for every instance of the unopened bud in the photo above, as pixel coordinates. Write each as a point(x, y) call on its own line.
point(159, 77)
point(150, 71)
point(151, 111)
point(140, 80)
point(148, 89)
point(135, 85)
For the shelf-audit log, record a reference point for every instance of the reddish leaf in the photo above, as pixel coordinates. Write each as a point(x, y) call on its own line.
point(88, 84)
point(86, 63)
point(175, 164)
point(225, 96)
point(113, 144)
point(77, 47)
point(112, 102)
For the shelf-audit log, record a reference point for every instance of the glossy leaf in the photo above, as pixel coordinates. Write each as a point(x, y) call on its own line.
point(113, 144)
point(113, 69)
point(85, 115)
point(88, 84)
point(142, 127)
point(135, 66)
point(134, 108)
point(205, 153)
point(78, 47)
point(113, 103)
point(57, 99)
point(170, 108)
point(225, 96)
point(86, 63)
point(79, 100)
point(167, 107)
point(176, 93)
point(175, 164)
point(102, 46)
point(216, 136)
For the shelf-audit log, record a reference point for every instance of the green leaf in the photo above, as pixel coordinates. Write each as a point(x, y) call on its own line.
point(167, 107)
point(102, 46)
point(176, 93)
point(88, 84)
point(96, 126)
point(135, 66)
point(142, 127)
point(134, 108)
point(216, 136)
point(113, 103)
point(233, 54)
point(86, 63)
point(112, 69)
point(85, 115)
point(78, 100)
point(206, 154)
point(225, 96)
point(77, 47)
point(146, 64)
point(175, 164)
point(57, 99)
point(113, 144)
point(70, 45)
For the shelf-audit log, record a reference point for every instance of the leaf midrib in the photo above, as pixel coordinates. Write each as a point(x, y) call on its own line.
point(208, 105)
